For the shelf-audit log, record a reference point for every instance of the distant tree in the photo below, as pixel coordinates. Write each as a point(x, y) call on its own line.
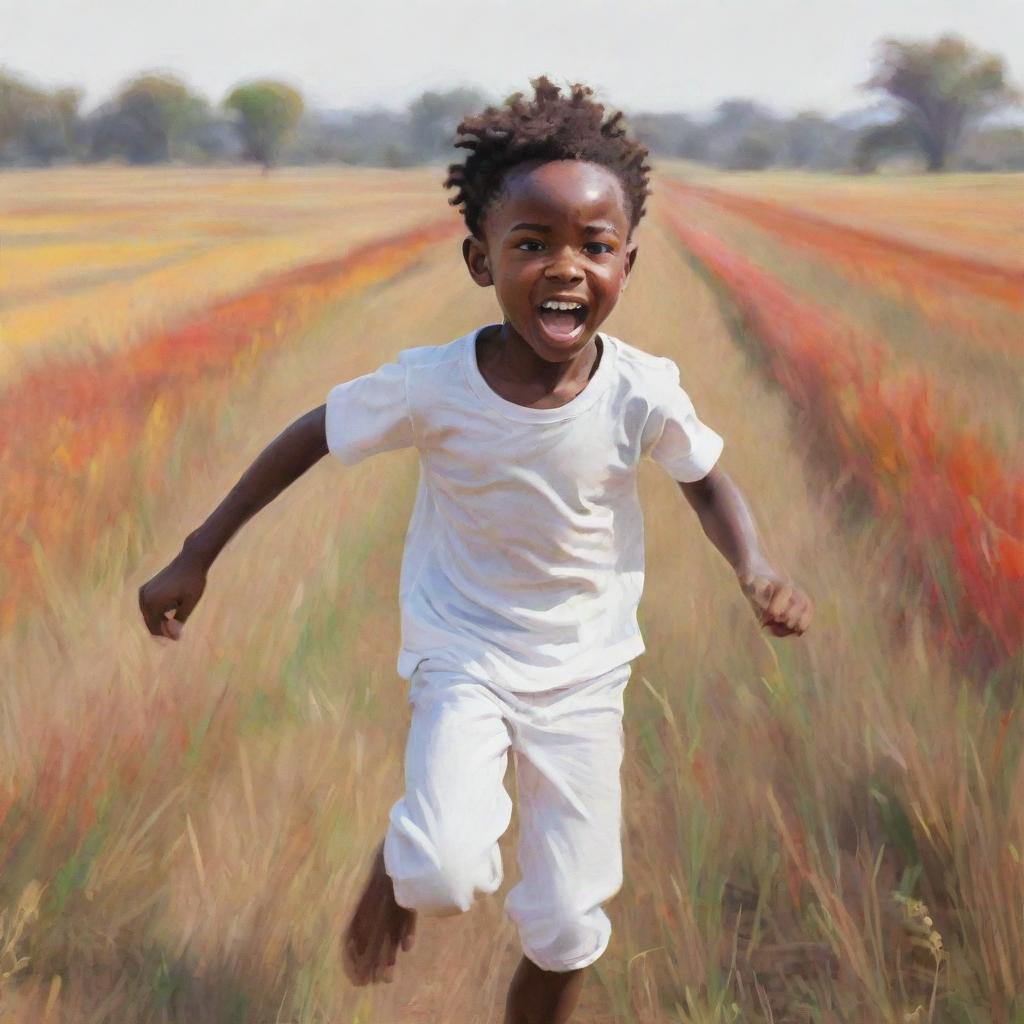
point(803, 138)
point(743, 135)
point(434, 117)
point(941, 87)
point(267, 112)
point(882, 141)
point(66, 103)
point(668, 134)
point(994, 149)
point(10, 107)
point(146, 119)
point(213, 139)
point(397, 155)
point(375, 137)
point(740, 115)
point(697, 145)
point(751, 153)
point(36, 127)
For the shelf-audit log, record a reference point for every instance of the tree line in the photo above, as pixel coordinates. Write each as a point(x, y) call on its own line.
point(938, 94)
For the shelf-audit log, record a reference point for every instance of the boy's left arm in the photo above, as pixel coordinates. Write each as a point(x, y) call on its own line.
point(778, 603)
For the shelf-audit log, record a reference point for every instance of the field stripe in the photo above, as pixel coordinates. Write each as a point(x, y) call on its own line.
point(857, 246)
point(67, 430)
point(962, 517)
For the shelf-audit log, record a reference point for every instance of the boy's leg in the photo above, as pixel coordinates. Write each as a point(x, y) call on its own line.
point(542, 997)
point(441, 846)
point(568, 757)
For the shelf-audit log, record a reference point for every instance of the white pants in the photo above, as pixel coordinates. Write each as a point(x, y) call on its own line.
point(441, 847)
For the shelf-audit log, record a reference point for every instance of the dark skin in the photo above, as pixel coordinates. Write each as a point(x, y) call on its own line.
point(559, 231)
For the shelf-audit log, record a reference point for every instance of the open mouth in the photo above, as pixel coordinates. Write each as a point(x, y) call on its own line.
point(563, 321)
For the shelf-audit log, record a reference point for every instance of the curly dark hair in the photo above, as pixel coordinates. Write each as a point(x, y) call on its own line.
point(551, 126)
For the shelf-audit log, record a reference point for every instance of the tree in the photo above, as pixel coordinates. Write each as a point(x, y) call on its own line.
point(65, 104)
point(941, 87)
point(994, 149)
point(803, 137)
point(736, 118)
point(36, 127)
point(147, 118)
point(743, 135)
point(267, 112)
point(751, 153)
point(880, 142)
point(434, 117)
point(671, 134)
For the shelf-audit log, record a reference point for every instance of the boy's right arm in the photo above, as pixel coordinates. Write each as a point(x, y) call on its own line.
point(176, 589)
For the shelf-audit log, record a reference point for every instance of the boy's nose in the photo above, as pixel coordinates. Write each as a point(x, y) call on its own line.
point(564, 267)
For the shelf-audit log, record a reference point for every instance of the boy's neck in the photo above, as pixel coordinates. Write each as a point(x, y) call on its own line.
point(519, 375)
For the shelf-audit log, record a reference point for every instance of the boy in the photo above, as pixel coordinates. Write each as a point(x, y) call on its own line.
point(523, 563)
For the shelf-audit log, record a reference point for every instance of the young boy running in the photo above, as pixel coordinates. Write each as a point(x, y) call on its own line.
point(523, 563)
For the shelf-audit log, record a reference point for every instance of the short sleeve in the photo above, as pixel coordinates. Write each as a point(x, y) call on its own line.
point(687, 448)
point(369, 415)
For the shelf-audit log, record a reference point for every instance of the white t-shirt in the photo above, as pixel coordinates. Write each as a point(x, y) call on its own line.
point(524, 559)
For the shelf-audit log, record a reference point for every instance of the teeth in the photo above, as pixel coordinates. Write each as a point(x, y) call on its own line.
point(562, 305)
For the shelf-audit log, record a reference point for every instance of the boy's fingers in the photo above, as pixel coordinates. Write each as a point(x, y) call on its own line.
point(805, 619)
point(155, 621)
point(779, 603)
point(791, 616)
point(796, 620)
point(169, 625)
point(798, 614)
point(149, 615)
point(781, 607)
point(355, 962)
point(171, 628)
point(185, 607)
point(155, 616)
point(380, 968)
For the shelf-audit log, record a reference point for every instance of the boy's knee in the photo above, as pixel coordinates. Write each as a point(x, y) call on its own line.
point(439, 893)
point(564, 939)
point(444, 882)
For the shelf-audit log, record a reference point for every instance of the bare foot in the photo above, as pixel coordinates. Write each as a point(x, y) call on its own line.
point(377, 929)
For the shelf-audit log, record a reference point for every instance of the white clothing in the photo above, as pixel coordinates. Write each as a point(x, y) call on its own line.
point(441, 847)
point(524, 559)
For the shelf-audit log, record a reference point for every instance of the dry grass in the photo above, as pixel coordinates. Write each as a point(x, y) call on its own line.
point(968, 344)
point(95, 260)
point(184, 828)
point(978, 216)
point(79, 448)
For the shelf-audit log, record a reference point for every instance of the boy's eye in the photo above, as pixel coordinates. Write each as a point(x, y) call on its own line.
point(593, 248)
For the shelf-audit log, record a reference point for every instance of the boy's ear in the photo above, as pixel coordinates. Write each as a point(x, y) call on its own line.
point(475, 255)
point(631, 251)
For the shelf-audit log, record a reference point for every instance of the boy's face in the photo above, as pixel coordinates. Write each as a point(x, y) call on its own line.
point(557, 233)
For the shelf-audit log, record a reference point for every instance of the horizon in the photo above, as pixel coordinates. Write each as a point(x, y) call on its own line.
point(788, 55)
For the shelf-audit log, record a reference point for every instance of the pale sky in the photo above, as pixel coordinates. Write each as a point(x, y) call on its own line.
point(639, 54)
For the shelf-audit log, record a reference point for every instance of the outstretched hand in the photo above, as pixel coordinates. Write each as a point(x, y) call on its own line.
point(780, 606)
point(167, 600)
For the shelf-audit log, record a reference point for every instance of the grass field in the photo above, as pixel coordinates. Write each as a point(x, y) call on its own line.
point(827, 829)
